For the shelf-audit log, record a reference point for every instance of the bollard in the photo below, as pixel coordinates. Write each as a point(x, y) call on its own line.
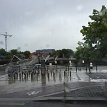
point(96, 67)
point(86, 68)
point(70, 75)
point(76, 68)
point(64, 74)
point(105, 89)
point(64, 92)
point(68, 67)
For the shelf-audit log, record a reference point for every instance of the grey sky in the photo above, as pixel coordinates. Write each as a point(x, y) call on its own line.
point(38, 24)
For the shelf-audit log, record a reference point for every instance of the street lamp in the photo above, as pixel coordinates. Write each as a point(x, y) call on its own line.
point(6, 35)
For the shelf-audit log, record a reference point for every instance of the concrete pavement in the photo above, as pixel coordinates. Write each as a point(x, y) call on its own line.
point(51, 84)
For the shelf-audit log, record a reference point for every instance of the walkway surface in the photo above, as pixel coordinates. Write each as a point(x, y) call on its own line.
point(55, 83)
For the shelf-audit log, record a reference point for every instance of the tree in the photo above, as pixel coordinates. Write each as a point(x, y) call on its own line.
point(95, 34)
point(4, 56)
point(83, 52)
point(66, 53)
point(27, 54)
point(94, 46)
point(14, 52)
point(2, 52)
point(8, 56)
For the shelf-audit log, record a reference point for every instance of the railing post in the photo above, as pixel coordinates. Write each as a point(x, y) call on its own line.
point(105, 89)
point(64, 92)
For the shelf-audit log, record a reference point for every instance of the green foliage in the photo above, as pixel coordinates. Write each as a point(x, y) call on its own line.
point(2, 52)
point(96, 32)
point(8, 55)
point(67, 53)
point(27, 54)
point(14, 52)
point(83, 52)
point(4, 55)
point(94, 36)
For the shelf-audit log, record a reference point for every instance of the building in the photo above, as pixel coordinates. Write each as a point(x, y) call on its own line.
point(44, 52)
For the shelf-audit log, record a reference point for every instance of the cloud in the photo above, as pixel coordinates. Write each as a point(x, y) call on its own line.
point(1, 42)
point(80, 8)
point(45, 23)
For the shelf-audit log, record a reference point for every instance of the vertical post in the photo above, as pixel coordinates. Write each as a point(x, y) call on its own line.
point(64, 92)
point(105, 89)
point(76, 67)
point(6, 35)
point(86, 68)
point(56, 64)
point(68, 67)
point(6, 43)
point(89, 70)
point(66, 89)
point(96, 66)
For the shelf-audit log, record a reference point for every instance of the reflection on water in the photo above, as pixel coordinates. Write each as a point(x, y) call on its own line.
point(43, 76)
point(43, 79)
point(60, 76)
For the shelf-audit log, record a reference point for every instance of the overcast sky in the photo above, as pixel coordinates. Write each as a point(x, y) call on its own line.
point(39, 24)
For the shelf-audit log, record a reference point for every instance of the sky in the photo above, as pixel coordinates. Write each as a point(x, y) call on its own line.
point(45, 24)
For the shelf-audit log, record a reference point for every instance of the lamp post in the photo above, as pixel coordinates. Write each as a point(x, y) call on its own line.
point(6, 35)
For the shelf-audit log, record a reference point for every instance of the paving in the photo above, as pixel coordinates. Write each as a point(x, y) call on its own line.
point(97, 75)
point(78, 84)
point(92, 91)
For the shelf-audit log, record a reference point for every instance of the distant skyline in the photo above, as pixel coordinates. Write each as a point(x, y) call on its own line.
point(45, 24)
